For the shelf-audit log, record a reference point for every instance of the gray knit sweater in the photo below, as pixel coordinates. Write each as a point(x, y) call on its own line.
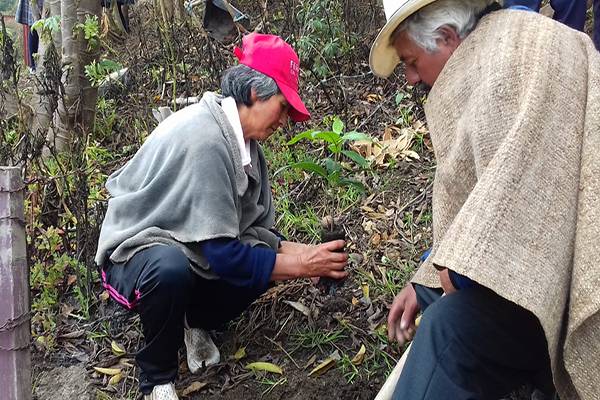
point(187, 184)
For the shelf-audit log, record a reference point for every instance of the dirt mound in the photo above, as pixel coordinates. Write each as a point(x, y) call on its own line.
point(64, 383)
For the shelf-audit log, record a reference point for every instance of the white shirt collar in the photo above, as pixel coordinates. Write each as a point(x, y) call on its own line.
point(229, 107)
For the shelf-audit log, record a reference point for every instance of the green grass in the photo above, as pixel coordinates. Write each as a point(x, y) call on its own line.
point(312, 338)
point(270, 383)
point(349, 370)
point(293, 222)
point(378, 360)
point(391, 280)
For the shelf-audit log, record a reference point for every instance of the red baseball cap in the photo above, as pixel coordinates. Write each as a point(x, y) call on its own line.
point(272, 56)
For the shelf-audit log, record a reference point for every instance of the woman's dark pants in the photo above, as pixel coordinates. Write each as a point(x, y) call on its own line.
point(159, 284)
point(473, 345)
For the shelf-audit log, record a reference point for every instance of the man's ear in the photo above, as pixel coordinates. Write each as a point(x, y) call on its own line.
point(449, 37)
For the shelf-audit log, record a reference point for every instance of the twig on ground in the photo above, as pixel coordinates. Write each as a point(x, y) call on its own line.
point(282, 349)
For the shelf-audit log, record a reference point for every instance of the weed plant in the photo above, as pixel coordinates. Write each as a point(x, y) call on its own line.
point(323, 38)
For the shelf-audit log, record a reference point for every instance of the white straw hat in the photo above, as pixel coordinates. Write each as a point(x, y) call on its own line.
point(383, 58)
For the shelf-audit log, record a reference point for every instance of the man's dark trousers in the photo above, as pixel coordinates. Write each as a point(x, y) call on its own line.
point(473, 345)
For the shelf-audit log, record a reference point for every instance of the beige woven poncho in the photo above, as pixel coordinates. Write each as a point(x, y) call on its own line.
point(515, 123)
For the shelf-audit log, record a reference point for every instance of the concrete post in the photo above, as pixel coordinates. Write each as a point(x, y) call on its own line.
point(15, 356)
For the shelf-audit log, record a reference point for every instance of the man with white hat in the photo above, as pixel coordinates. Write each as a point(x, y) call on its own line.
point(514, 118)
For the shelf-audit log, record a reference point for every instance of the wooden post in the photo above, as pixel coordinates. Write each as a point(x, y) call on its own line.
point(15, 356)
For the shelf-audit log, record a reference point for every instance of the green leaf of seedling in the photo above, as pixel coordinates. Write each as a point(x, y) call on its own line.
point(338, 126)
point(350, 182)
point(310, 166)
point(354, 136)
point(333, 148)
point(310, 135)
point(357, 158)
point(399, 97)
point(329, 137)
point(334, 178)
point(332, 166)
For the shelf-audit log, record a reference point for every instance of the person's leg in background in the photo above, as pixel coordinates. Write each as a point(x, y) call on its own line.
point(472, 344)
point(32, 49)
point(570, 12)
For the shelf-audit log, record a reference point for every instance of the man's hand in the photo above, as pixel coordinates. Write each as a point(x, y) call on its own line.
point(445, 281)
point(324, 260)
point(401, 319)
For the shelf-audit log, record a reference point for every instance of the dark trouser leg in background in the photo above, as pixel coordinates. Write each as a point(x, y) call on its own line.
point(570, 12)
point(168, 290)
point(472, 345)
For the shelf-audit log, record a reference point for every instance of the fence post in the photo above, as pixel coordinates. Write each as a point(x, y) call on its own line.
point(15, 356)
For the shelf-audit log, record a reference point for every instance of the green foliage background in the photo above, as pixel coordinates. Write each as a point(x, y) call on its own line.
point(8, 7)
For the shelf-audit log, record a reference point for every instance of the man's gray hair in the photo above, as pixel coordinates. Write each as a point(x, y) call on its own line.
point(238, 81)
point(423, 27)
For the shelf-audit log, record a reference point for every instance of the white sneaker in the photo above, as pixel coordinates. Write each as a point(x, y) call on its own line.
point(201, 350)
point(162, 392)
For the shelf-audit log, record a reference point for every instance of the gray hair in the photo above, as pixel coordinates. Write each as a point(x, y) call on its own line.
point(423, 27)
point(238, 81)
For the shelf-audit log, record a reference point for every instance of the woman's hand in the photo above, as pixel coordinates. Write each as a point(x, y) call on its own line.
point(324, 260)
point(401, 319)
point(292, 247)
point(295, 260)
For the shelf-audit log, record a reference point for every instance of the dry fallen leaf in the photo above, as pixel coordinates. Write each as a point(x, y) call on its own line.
point(66, 310)
point(117, 349)
point(264, 366)
point(73, 335)
point(376, 239)
point(241, 353)
point(311, 361)
point(325, 365)
point(194, 387)
point(381, 151)
point(71, 279)
point(365, 290)
point(299, 307)
point(360, 356)
point(373, 97)
point(104, 296)
point(126, 362)
point(115, 379)
point(108, 371)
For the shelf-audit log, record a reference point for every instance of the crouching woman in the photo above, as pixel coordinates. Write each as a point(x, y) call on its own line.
point(188, 239)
